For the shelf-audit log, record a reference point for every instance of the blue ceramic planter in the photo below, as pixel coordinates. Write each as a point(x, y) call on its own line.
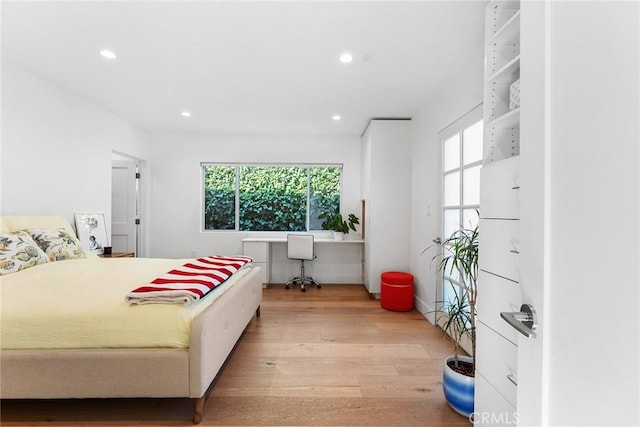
point(458, 388)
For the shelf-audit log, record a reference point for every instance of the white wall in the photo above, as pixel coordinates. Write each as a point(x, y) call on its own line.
point(56, 148)
point(454, 100)
point(175, 229)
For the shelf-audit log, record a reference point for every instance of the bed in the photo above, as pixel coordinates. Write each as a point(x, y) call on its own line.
point(176, 351)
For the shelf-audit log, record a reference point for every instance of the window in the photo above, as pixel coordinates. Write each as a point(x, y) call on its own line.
point(461, 163)
point(269, 198)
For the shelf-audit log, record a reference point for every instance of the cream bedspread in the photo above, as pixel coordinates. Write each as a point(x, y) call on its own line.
point(80, 304)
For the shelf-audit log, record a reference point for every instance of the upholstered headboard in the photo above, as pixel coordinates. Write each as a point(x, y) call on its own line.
point(4, 228)
point(20, 222)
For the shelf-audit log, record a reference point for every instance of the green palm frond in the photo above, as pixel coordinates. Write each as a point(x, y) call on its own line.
point(460, 255)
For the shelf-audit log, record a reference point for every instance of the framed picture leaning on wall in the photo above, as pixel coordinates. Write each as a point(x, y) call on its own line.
point(92, 231)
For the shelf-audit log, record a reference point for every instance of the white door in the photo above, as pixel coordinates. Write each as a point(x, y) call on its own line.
point(579, 213)
point(124, 206)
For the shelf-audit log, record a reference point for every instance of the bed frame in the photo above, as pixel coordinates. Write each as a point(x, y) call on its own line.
point(139, 372)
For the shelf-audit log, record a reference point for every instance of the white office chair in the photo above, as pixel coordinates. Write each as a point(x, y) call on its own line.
point(300, 247)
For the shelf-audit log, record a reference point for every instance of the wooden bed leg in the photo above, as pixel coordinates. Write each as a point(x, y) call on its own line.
point(258, 311)
point(197, 411)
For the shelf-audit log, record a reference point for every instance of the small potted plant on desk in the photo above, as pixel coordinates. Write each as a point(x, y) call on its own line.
point(458, 315)
point(338, 224)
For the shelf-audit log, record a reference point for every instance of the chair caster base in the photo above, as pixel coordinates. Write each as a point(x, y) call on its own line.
point(302, 283)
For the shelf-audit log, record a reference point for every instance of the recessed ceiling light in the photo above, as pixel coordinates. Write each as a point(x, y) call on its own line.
point(108, 54)
point(186, 114)
point(345, 58)
point(336, 117)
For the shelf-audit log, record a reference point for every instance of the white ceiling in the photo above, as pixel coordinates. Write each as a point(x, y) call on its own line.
point(248, 67)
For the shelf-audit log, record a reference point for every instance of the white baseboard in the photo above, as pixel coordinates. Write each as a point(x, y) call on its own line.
point(428, 311)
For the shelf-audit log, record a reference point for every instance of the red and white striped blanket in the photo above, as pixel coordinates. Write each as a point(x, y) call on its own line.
point(190, 282)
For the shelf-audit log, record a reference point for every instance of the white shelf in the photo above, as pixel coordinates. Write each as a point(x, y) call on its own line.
point(507, 120)
point(509, 34)
point(504, 74)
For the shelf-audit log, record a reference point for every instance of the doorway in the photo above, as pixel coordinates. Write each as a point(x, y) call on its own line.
point(125, 205)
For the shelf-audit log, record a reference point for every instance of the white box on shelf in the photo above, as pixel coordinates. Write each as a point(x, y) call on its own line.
point(514, 95)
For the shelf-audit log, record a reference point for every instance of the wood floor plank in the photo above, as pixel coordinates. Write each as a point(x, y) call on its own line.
point(325, 357)
point(309, 411)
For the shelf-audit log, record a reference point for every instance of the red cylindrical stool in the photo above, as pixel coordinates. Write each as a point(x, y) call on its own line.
point(396, 291)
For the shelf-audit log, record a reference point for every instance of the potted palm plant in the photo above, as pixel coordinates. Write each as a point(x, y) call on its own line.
point(458, 316)
point(338, 224)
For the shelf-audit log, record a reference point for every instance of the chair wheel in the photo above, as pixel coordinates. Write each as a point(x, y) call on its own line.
point(318, 286)
point(286, 286)
point(303, 290)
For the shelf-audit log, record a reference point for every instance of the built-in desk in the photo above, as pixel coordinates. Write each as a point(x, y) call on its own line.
point(259, 248)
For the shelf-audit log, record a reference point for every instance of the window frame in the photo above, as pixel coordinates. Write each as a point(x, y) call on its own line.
point(237, 166)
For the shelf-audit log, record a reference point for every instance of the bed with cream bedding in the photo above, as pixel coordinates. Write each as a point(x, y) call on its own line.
point(67, 331)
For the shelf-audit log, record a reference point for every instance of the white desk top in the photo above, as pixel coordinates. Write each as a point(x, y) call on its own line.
point(284, 240)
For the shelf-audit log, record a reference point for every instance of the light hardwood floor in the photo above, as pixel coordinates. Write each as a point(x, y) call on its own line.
point(327, 357)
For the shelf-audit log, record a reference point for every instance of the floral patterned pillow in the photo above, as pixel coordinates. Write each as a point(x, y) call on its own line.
point(58, 244)
point(18, 251)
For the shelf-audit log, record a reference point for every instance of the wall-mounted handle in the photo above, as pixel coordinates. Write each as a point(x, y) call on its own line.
point(513, 379)
point(515, 187)
point(514, 251)
point(437, 241)
point(524, 321)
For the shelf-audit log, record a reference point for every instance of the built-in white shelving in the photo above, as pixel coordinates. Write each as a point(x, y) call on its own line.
point(506, 73)
point(510, 119)
point(509, 32)
point(499, 261)
point(502, 69)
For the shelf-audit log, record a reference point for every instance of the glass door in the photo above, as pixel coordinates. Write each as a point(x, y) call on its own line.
point(461, 163)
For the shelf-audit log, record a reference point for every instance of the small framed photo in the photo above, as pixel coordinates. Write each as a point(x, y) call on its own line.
point(92, 231)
